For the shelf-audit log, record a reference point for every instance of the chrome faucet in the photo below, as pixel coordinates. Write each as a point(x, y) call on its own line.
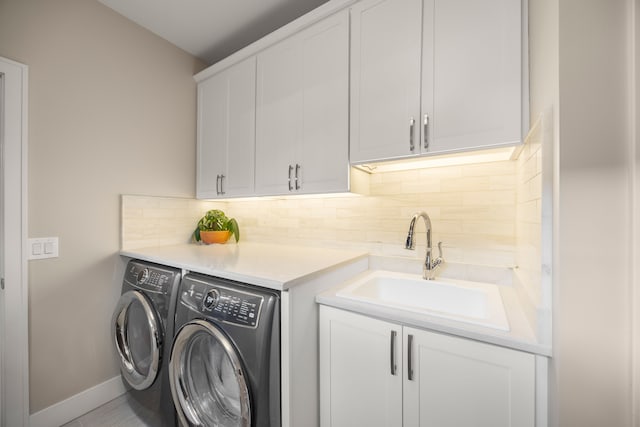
point(429, 267)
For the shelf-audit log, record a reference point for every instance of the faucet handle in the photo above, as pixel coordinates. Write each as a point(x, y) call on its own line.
point(439, 249)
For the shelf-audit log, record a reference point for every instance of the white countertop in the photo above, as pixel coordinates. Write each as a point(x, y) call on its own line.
point(271, 266)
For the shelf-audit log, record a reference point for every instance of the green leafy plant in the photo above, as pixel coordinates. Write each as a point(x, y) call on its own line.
point(216, 220)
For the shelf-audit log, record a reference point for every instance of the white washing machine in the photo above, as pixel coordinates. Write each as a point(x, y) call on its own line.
point(143, 330)
point(225, 363)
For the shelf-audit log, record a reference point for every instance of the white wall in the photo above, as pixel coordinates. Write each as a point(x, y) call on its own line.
point(111, 111)
point(591, 369)
point(580, 57)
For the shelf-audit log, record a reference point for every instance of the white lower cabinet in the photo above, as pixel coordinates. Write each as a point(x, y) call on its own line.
point(378, 373)
point(357, 387)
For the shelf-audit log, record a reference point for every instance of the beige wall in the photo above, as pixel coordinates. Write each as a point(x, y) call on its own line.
point(636, 211)
point(579, 66)
point(111, 111)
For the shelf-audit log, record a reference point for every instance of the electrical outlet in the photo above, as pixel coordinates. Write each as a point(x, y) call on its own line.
point(43, 247)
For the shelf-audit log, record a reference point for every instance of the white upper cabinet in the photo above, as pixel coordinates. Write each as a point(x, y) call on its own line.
point(434, 76)
point(302, 111)
point(226, 132)
point(472, 73)
point(385, 79)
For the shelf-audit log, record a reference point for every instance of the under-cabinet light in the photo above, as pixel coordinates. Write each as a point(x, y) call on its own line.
point(484, 156)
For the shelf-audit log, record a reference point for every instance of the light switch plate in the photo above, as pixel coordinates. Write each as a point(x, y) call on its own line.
point(43, 247)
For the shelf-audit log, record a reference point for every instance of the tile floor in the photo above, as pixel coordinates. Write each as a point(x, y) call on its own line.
point(120, 412)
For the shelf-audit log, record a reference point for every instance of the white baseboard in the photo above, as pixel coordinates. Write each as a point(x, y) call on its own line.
point(75, 406)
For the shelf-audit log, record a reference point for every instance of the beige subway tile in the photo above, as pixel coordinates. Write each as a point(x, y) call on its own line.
point(502, 182)
point(440, 173)
point(489, 228)
point(501, 197)
point(441, 199)
point(446, 227)
point(506, 167)
point(482, 212)
point(399, 177)
point(425, 185)
point(467, 183)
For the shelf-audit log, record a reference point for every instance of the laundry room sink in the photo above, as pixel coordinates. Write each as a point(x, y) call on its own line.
point(471, 302)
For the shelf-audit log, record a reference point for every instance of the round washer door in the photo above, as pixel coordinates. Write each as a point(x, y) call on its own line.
point(137, 332)
point(208, 382)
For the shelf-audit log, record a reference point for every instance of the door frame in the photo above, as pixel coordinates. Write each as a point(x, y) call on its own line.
point(14, 345)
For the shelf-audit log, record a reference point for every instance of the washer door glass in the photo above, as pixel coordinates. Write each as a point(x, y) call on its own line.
point(138, 339)
point(208, 382)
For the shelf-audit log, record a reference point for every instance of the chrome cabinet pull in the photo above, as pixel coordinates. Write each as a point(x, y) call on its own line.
point(392, 357)
point(412, 145)
point(409, 358)
point(221, 182)
point(297, 177)
point(290, 170)
point(425, 130)
point(218, 185)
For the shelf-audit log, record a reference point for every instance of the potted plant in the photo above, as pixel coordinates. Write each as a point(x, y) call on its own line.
point(215, 227)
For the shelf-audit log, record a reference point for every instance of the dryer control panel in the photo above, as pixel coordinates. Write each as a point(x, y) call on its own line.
point(150, 278)
point(223, 303)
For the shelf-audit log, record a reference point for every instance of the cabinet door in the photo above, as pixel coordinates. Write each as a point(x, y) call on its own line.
point(385, 79)
point(278, 116)
point(357, 386)
point(302, 117)
point(241, 106)
point(211, 139)
point(226, 132)
point(458, 382)
point(476, 53)
point(323, 148)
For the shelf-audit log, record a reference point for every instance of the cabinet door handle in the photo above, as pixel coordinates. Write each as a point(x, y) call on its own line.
point(297, 177)
point(289, 175)
point(218, 185)
point(412, 145)
point(425, 130)
point(221, 184)
point(409, 357)
point(393, 353)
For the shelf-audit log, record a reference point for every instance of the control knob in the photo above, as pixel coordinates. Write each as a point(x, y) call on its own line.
point(143, 275)
point(211, 299)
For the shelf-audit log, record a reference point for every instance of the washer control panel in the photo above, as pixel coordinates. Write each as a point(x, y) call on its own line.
point(149, 278)
point(223, 303)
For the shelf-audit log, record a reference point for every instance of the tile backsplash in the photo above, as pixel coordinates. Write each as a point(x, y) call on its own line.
point(158, 221)
point(472, 209)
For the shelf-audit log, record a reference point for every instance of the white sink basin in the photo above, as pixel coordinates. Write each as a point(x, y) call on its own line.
point(471, 302)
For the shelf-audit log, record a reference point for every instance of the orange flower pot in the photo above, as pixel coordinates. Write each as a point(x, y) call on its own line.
point(209, 237)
